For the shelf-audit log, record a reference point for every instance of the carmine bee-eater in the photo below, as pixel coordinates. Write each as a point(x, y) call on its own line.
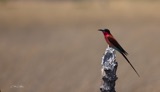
point(114, 44)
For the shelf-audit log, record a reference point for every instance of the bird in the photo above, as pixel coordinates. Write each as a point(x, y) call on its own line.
point(112, 42)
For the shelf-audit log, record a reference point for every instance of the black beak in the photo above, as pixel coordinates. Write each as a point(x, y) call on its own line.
point(100, 29)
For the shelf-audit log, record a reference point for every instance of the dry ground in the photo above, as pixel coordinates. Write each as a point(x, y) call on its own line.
point(55, 46)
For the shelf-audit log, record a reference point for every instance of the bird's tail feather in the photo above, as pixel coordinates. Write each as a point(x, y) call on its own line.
point(125, 52)
point(130, 63)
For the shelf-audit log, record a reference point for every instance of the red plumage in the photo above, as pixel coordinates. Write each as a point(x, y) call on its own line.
point(112, 42)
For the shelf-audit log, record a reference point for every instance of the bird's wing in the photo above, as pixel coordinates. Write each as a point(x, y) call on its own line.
point(116, 44)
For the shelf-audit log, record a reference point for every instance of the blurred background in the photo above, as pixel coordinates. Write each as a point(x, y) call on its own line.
point(54, 45)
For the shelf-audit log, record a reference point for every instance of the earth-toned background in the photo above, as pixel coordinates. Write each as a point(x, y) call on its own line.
point(54, 46)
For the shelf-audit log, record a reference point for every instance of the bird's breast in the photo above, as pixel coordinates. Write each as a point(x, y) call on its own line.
point(107, 40)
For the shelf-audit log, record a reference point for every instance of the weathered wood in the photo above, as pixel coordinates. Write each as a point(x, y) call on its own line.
point(109, 68)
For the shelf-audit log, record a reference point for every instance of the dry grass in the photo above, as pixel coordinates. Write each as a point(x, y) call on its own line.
point(55, 46)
